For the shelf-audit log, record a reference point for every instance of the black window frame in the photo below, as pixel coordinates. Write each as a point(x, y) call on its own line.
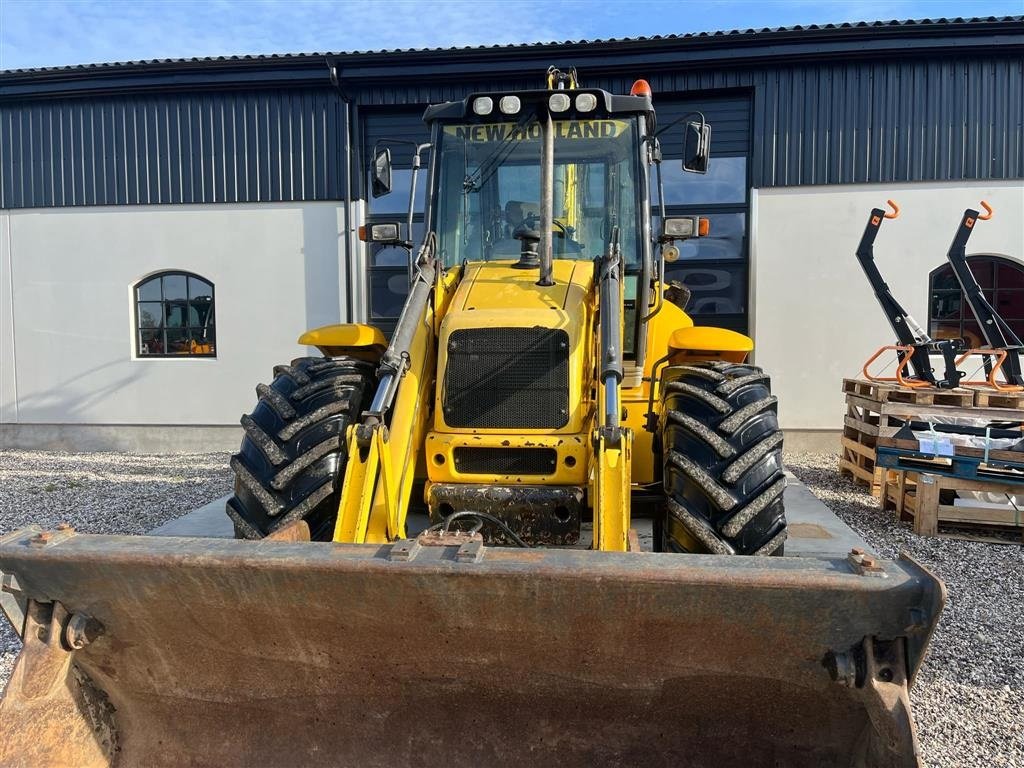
point(137, 320)
point(736, 321)
point(992, 293)
point(715, 104)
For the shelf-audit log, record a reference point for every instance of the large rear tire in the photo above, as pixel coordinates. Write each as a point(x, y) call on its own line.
point(722, 453)
point(292, 460)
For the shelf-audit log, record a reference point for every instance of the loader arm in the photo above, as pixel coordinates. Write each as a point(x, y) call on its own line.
point(385, 445)
point(613, 470)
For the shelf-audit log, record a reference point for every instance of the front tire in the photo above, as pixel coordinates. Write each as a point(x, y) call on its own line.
point(292, 461)
point(722, 453)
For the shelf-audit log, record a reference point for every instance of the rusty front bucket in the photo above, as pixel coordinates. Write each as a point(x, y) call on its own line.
point(169, 651)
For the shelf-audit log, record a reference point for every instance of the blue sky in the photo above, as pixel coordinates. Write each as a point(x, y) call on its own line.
point(43, 33)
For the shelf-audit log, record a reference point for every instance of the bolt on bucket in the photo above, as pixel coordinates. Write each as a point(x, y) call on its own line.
point(217, 652)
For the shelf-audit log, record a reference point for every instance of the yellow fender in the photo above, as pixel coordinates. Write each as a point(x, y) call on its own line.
point(354, 339)
point(704, 343)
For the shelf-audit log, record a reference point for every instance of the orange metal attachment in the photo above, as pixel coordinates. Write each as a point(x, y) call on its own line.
point(895, 212)
point(990, 381)
point(900, 368)
point(988, 211)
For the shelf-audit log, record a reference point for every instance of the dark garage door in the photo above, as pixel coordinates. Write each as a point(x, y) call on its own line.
point(714, 268)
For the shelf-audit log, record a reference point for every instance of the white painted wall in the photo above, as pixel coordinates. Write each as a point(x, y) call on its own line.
point(66, 338)
point(66, 354)
point(8, 377)
point(815, 318)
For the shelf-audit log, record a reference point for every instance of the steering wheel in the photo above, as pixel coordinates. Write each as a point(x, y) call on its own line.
point(563, 231)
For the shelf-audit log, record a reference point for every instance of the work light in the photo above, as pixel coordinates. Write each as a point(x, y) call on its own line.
point(509, 105)
point(388, 232)
point(483, 105)
point(559, 102)
point(586, 102)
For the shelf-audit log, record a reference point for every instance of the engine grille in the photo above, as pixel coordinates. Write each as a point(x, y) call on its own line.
point(506, 461)
point(507, 378)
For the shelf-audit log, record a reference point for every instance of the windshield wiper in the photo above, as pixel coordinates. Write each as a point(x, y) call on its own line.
point(475, 181)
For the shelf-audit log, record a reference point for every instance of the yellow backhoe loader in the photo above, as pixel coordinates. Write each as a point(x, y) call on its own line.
point(542, 525)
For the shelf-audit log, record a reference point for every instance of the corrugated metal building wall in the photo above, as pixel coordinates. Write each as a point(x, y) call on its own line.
point(214, 147)
point(927, 111)
point(857, 122)
point(946, 119)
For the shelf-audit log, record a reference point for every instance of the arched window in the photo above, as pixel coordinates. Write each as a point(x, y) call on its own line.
point(174, 316)
point(1001, 279)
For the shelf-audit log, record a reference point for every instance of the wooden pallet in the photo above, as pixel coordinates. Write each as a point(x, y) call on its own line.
point(927, 501)
point(857, 458)
point(881, 392)
point(860, 468)
point(875, 412)
point(887, 417)
point(986, 397)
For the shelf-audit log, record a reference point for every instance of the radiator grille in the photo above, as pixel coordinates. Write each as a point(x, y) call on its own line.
point(506, 461)
point(507, 378)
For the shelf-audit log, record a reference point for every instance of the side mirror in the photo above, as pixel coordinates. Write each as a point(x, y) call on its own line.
point(380, 173)
point(697, 147)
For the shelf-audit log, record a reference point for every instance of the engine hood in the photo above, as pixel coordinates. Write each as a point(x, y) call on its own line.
point(497, 289)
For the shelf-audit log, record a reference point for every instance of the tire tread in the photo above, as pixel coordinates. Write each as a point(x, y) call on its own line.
point(292, 459)
point(722, 448)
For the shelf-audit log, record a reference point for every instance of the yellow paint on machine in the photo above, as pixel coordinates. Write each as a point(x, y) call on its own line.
point(355, 339)
point(372, 511)
point(572, 453)
point(378, 482)
point(610, 494)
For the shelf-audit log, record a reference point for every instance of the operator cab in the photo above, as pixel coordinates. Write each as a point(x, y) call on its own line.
point(487, 173)
point(490, 156)
point(489, 164)
point(489, 183)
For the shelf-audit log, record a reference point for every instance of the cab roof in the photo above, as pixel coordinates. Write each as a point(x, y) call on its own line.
point(607, 104)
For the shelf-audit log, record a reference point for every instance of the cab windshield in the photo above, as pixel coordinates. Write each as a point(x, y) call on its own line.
point(490, 186)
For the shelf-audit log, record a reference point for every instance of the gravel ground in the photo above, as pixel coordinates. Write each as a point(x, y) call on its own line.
point(968, 699)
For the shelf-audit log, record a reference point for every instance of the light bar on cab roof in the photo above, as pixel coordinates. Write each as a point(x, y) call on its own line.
point(586, 102)
point(509, 105)
point(559, 102)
